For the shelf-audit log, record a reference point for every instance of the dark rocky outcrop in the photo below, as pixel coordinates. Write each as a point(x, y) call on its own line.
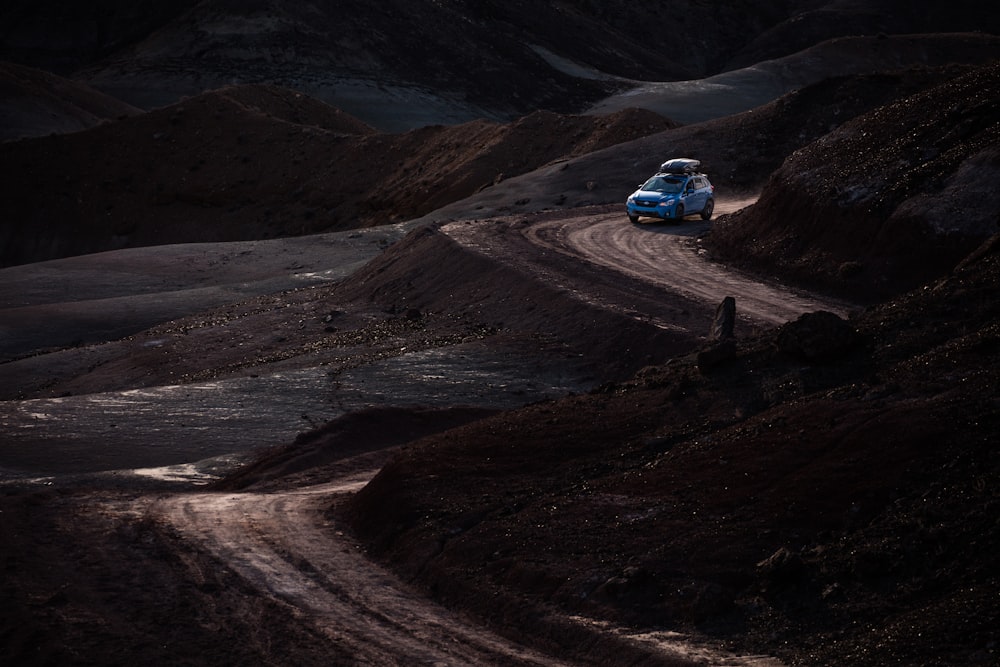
point(815, 337)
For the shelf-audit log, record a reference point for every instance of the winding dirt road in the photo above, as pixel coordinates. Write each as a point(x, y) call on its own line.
point(651, 270)
point(663, 255)
point(284, 545)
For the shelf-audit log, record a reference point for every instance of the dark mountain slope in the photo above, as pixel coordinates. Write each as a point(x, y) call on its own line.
point(817, 21)
point(826, 495)
point(399, 65)
point(62, 35)
point(35, 103)
point(259, 162)
point(483, 48)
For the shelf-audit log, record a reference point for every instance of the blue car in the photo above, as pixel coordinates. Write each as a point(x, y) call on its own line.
point(677, 190)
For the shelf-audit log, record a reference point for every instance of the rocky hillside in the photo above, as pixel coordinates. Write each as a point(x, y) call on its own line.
point(813, 22)
point(458, 60)
point(885, 202)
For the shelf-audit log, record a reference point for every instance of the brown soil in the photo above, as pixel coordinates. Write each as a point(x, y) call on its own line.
point(820, 489)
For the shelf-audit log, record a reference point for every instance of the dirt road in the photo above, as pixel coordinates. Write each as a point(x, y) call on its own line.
point(284, 545)
point(665, 255)
point(639, 269)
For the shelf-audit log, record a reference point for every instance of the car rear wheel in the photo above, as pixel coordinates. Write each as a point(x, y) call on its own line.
point(706, 213)
point(679, 212)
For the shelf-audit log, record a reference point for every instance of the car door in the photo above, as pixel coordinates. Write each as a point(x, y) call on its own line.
point(688, 196)
point(695, 199)
point(706, 192)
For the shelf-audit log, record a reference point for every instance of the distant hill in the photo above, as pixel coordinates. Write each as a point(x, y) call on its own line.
point(35, 103)
point(399, 65)
point(251, 162)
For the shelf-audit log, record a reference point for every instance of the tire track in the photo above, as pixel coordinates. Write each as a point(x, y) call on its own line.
point(663, 256)
point(660, 256)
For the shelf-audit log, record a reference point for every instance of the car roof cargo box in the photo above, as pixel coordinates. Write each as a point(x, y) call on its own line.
point(680, 165)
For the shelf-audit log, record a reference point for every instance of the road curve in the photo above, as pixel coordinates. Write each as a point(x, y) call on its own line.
point(284, 545)
point(661, 255)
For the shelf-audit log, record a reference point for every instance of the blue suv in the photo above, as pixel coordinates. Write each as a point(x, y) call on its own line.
point(678, 189)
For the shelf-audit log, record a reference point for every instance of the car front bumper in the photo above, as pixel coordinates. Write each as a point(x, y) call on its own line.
point(665, 211)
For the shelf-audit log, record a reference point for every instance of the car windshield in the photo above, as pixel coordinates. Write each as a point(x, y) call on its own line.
point(666, 185)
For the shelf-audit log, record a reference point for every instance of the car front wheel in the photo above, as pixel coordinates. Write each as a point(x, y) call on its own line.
point(633, 218)
point(706, 213)
point(679, 213)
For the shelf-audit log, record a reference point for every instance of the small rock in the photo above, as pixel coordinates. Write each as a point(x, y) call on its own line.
point(816, 336)
point(725, 320)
